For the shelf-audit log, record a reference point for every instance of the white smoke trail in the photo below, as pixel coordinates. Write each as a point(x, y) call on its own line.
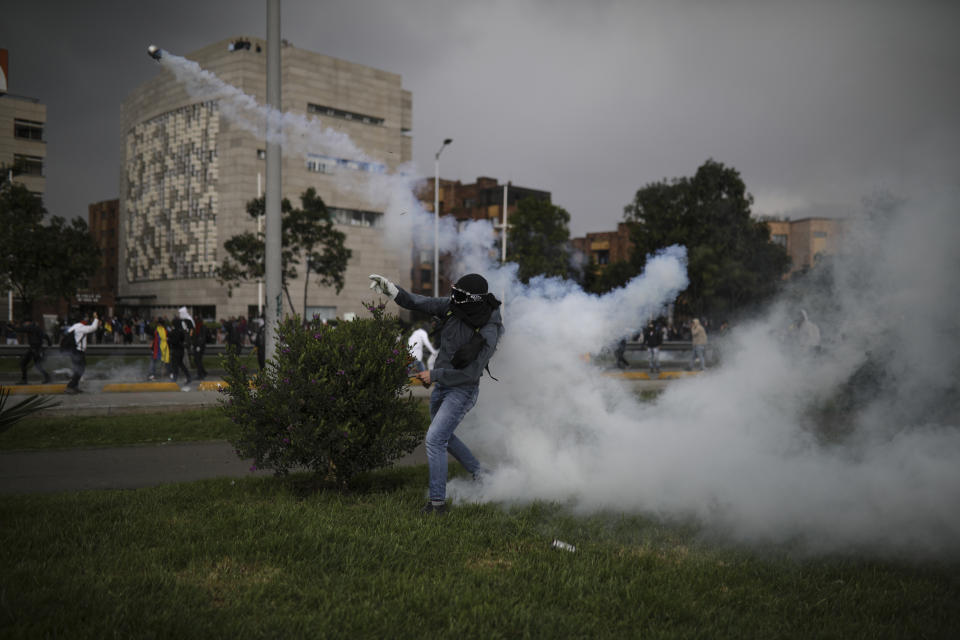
point(739, 448)
point(299, 135)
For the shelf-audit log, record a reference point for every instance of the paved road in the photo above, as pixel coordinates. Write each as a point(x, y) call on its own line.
point(133, 467)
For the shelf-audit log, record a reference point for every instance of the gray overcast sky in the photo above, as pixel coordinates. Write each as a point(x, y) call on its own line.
point(815, 103)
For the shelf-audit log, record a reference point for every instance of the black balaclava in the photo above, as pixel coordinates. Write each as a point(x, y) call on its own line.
point(471, 302)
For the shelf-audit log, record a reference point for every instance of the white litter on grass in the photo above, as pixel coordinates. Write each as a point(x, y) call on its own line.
point(564, 546)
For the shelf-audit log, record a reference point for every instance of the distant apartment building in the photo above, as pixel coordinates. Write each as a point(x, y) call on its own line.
point(23, 144)
point(807, 239)
point(101, 291)
point(482, 200)
point(605, 247)
point(188, 173)
point(804, 240)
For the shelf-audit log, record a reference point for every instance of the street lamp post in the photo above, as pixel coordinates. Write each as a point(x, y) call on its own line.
point(436, 217)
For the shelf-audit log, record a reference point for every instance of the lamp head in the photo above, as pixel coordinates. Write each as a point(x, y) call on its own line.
point(155, 52)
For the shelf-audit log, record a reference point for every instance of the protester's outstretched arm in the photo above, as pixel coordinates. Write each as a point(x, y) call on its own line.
point(89, 328)
point(407, 300)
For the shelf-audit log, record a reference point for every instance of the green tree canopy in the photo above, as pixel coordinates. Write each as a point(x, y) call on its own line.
point(39, 259)
point(538, 239)
point(309, 238)
point(731, 261)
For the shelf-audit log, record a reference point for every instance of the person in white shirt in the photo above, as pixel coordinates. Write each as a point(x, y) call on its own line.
point(78, 358)
point(420, 340)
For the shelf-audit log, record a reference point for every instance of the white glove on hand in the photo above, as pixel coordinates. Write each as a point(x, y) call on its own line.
point(384, 286)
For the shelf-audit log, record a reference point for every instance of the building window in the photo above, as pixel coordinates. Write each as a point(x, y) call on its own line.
point(342, 114)
point(261, 154)
point(602, 257)
point(355, 217)
point(426, 275)
point(780, 239)
point(28, 165)
point(323, 313)
point(28, 129)
point(317, 163)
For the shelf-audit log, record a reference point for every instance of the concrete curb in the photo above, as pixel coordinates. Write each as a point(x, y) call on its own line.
point(642, 375)
point(34, 389)
point(130, 387)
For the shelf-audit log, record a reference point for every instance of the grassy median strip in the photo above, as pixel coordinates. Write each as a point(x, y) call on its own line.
point(65, 432)
point(261, 558)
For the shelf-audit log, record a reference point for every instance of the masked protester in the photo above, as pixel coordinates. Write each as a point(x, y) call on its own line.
point(470, 328)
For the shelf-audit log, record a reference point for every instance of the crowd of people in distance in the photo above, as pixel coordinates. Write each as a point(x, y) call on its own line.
point(176, 345)
point(657, 332)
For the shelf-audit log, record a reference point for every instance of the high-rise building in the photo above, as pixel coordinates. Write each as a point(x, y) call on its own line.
point(23, 145)
point(188, 172)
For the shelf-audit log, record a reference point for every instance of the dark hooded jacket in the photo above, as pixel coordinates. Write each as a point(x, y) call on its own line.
point(456, 333)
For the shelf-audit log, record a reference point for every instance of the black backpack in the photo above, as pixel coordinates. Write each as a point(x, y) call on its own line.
point(466, 353)
point(68, 342)
point(176, 336)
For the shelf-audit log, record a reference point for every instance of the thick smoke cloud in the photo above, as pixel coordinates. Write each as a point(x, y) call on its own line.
point(855, 448)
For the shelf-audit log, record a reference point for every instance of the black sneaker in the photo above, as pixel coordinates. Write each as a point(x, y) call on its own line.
point(71, 390)
point(438, 510)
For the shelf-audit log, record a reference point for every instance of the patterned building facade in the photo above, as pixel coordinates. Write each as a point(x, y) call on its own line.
point(188, 172)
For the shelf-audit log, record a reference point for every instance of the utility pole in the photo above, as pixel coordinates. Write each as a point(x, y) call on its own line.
point(273, 255)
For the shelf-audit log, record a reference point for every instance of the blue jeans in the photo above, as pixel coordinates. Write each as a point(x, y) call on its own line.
point(654, 354)
point(78, 362)
point(448, 406)
point(699, 351)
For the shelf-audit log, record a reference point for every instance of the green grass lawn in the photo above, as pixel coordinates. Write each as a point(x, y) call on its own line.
point(263, 558)
point(272, 558)
point(65, 432)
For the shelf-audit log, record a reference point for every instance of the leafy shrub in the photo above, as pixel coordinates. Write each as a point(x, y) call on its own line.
point(332, 400)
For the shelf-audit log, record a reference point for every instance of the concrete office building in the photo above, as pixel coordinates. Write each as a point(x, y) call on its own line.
point(23, 144)
point(188, 172)
point(23, 148)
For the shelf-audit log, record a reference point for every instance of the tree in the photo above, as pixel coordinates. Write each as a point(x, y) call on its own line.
point(320, 243)
point(731, 261)
point(308, 235)
point(538, 240)
point(603, 278)
point(38, 259)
